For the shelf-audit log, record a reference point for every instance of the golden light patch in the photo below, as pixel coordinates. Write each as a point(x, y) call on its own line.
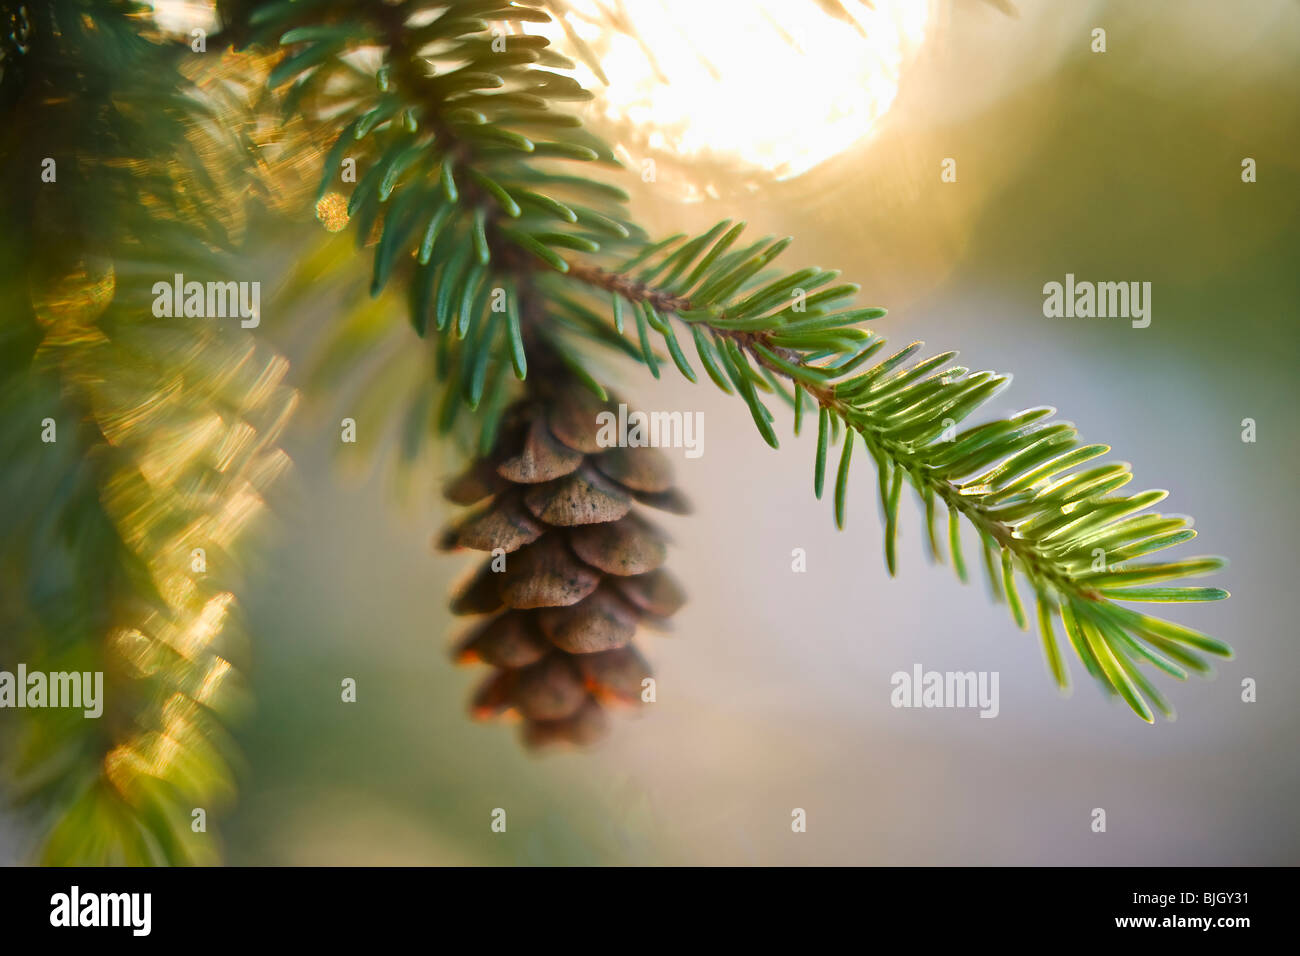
point(332, 211)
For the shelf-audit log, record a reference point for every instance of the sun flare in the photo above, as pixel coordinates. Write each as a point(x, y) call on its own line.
point(771, 85)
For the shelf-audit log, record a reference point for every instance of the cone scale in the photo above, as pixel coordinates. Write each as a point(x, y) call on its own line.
point(574, 572)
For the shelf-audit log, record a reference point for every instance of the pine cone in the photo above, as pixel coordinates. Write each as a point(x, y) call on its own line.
point(581, 567)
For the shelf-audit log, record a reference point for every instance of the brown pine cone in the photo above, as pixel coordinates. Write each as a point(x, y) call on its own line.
point(578, 570)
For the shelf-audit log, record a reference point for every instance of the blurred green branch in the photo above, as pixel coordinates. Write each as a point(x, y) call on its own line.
point(120, 527)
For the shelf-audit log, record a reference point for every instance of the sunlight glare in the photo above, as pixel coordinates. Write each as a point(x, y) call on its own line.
point(775, 85)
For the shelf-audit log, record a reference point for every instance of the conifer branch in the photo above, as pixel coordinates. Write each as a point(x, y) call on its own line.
point(1012, 480)
point(459, 178)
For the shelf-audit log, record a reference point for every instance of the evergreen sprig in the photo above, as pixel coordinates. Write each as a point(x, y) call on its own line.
point(1019, 482)
point(465, 190)
point(459, 129)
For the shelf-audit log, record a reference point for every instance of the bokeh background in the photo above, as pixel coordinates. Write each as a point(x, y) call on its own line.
point(773, 690)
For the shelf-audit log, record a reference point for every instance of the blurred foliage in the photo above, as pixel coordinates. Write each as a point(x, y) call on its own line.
point(165, 435)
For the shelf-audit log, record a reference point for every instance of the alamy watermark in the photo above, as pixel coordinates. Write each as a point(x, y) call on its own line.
point(1100, 300)
point(75, 908)
point(79, 689)
point(974, 689)
point(657, 429)
point(208, 300)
